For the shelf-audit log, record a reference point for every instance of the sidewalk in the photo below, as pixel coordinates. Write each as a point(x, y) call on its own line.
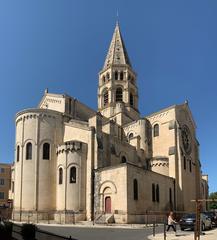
point(185, 235)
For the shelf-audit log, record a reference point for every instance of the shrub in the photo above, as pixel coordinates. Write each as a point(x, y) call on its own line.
point(6, 230)
point(28, 231)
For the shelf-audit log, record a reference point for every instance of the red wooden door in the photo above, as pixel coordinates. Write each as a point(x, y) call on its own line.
point(108, 205)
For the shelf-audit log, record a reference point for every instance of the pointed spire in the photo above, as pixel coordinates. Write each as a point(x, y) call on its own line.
point(117, 53)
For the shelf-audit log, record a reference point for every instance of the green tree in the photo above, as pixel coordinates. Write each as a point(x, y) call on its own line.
point(213, 205)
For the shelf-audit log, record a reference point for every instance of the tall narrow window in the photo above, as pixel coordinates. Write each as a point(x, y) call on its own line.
point(60, 176)
point(46, 151)
point(12, 187)
point(72, 175)
point(105, 98)
point(156, 130)
point(70, 105)
point(190, 166)
point(184, 159)
point(153, 192)
point(103, 79)
point(108, 76)
point(119, 95)
point(28, 151)
point(121, 75)
point(157, 193)
point(18, 153)
point(170, 196)
point(135, 189)
point(2, 195)
point(130, 136)
point(116, 75)
point(131, 99)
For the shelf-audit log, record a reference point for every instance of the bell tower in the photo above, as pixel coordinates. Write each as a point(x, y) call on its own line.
point(117, 89)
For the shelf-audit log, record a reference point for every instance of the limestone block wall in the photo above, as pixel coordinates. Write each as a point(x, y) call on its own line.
point(137, 208)
point(189, 166)
point(142, 129)
point(166, 139)
point(111, 182)
point(35, 178)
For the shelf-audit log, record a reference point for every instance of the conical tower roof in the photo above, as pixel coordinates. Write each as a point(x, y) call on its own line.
point(117, 53)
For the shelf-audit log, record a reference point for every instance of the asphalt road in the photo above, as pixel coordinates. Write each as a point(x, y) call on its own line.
point(105, 233)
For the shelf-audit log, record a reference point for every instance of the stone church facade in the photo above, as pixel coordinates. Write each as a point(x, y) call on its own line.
point(71, 159)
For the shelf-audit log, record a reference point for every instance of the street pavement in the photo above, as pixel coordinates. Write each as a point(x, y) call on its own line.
point(101, 232)
point(121, 232)
point(185, 235)
point(88, 231)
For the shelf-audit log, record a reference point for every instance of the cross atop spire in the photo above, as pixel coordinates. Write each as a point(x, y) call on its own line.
point(117, 54)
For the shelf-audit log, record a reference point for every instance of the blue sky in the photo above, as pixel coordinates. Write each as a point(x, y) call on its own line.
point(62, 44)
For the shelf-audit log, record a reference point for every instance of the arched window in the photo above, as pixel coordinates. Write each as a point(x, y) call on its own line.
point(153, 192)
point(131, 99)
point(28, 151)
point(119, 95)
point(184, 159)
point(60, 176)
point(130, 136)
point(116, 75)
point(157, 193)
point(103, 79)
point(135, 189)
point(105, 98)
point(190, 166)
point(18, 153)
point(107, 76)
point(170, 196)
point(72, 175)
point(156, 130)
point(121, 75)
point(46, 151)
point(123, 159)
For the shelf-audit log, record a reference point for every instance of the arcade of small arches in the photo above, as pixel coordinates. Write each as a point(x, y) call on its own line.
point(29, 152)
point(118, 96)
point(118, 75)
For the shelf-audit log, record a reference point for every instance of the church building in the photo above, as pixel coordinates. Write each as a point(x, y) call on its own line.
point(76, 162)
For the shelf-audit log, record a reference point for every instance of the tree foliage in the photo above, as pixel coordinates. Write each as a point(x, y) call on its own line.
point(213, 205)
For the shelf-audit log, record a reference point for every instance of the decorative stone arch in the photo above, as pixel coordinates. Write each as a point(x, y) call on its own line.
point(60, 166)
point(106, 191)
point(18, 144)
point(73, 165)
point(131, 135)
point(107, 184)
point(46, 140)
point(29, 140)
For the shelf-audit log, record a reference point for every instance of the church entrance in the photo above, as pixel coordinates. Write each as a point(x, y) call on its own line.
point(108, 205)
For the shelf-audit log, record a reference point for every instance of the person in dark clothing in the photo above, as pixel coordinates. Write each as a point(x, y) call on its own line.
point(171, 222)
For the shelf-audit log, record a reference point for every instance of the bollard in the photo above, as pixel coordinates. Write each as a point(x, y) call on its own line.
point(154, 229)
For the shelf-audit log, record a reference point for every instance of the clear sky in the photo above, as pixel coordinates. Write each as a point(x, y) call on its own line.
point(62, 44)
